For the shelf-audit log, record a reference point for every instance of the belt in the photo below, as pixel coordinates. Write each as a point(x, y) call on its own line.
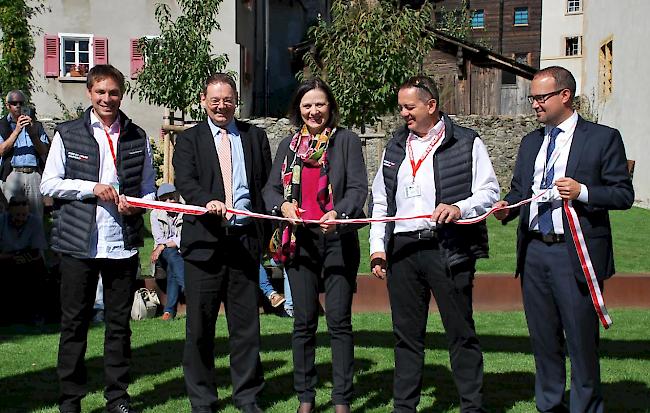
point(25, 169)
point(423, 234)
point(548, 238)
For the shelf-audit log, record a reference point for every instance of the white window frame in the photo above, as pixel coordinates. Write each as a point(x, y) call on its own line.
point(579, 53)
point(568, 5)
point(75, 36)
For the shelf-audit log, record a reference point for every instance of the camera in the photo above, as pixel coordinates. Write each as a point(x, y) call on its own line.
point(27, 110)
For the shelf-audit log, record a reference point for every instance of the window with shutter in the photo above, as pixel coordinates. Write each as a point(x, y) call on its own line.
point(51, 48)
point(137, 58)
point(100, 46)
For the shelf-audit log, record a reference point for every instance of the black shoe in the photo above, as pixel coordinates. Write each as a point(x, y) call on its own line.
point(121, 407)
point(251, 408)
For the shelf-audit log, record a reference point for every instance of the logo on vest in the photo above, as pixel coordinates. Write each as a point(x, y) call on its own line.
point(389, 164)
point(77, 156)
point(136, 152)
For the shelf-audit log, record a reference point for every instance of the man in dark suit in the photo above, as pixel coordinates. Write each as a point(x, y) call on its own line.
point(584, 163)
point(222, 163)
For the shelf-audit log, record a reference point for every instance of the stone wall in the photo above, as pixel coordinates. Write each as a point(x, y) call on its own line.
point(501, 135)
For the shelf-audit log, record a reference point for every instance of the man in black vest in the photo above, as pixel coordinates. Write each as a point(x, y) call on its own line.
point(431, 166)
point(94, 162)
point(222, 163)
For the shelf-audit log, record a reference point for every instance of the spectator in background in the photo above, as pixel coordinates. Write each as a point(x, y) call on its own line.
point(276, 299)
point(166, 231)
point(22, 241)
point(23, 146)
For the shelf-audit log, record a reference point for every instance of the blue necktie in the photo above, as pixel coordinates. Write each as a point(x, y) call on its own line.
point(545, 212)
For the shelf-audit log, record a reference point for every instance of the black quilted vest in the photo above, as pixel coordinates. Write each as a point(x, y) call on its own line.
point(75, 220)
point(452, 165)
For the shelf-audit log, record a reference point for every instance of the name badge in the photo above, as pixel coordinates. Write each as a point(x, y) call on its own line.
point(547, 196)
point(412, 190)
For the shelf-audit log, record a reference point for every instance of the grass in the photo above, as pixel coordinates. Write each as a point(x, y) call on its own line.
point(629, 228)
point(28, 378)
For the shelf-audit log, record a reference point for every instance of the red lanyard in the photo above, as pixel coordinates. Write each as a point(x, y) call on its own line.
point(416, 166)
point(110, 144)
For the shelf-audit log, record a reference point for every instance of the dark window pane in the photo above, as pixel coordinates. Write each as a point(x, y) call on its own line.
point(508, 78)
point(68, 45)
point(83, 45)
point(83, 57)
point(69, 56)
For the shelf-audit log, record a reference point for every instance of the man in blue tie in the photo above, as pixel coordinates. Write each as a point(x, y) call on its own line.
point(584, 163)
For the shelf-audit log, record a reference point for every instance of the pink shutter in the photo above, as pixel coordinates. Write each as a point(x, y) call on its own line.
point(100, 46)
point(51, 51)
point(137, 58)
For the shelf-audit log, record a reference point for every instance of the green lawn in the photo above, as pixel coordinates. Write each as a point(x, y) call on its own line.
point(630, 230)
point(28, 380)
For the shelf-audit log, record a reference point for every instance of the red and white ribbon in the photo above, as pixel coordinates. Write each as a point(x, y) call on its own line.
point(574, 225)
point(197, 210)
point(587, 266)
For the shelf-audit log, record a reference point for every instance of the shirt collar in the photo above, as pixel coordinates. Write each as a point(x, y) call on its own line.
point(95, 122)
point(568, 124)
point(10, 118)
point(231, 127)
point(434, 131)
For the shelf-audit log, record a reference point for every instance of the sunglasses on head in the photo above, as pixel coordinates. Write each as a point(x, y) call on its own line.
point(420, 85)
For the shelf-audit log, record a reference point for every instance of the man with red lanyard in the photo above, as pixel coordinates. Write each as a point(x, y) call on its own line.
point(94, 162)
point(431, 166)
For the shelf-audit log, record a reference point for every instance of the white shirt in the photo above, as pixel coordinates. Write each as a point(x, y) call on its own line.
point(485, 189)
point(106, 240)
point(561, 151)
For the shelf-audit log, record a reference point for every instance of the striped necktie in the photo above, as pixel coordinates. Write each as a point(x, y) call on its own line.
point(225, 162)
point(545, 213)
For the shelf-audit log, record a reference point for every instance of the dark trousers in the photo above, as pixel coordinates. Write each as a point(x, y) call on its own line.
point(78, 285)
point(415, 270)
point(557, 305)
point(231, 277)
point(323, 256)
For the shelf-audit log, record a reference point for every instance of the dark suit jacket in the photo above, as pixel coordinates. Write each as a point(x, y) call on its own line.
point(199, 180)
point(347, 175)
point(596, 159)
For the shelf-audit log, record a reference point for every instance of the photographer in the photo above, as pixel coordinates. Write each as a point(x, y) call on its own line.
point(23, 147)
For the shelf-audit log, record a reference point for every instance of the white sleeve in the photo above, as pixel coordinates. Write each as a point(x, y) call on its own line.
point(53, 182)
point(379, 210)
point(485, 187)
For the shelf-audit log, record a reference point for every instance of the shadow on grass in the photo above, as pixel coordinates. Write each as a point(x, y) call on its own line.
point(39, 389)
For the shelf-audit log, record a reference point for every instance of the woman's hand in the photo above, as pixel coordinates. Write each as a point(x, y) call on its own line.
point(290, 210)
point(328, 228)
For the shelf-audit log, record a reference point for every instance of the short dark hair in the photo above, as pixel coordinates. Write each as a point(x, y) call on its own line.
point(303, 88)
point(100, 72)
point(563, 78)
point(220, 78)
point(18, 200)
point(426, 87)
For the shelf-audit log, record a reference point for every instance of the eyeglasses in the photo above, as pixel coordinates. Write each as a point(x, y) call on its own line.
point(543, 98)
point(16, 102)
